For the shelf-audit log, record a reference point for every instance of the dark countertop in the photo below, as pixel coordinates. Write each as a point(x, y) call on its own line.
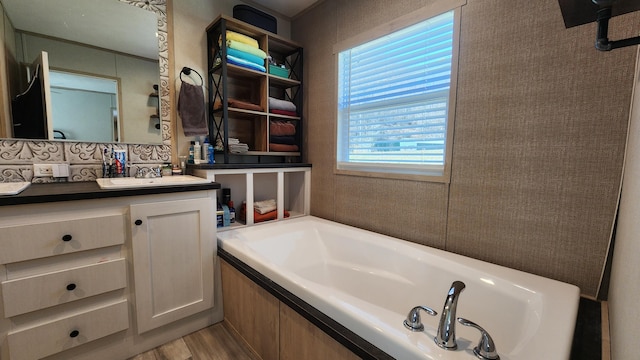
point(68, 191)
point(218, 166)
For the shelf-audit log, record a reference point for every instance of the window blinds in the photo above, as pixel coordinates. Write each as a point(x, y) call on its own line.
point(393, 95)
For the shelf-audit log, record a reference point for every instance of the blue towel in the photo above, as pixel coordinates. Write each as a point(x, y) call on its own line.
point(244, 63)
point(245, 56)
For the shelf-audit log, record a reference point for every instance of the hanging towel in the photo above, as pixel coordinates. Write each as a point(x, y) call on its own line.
point(191, 110)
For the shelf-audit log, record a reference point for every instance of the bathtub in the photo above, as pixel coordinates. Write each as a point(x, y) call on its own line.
point(368, 283)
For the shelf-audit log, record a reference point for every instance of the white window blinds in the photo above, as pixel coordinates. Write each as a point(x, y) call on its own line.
point(393, 99)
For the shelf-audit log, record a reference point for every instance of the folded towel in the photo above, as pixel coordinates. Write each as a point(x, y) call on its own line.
point(287, 140)
point(283, 148)
point(278, 104)
point(239, 104)
point(191, 110)
point(283, 112)
point(245, 48)
point(272, 215)
point(244, 63)
point(245, 56)
point(281, 128)
point(265, 206)
point(257, 217)
point(232, 35)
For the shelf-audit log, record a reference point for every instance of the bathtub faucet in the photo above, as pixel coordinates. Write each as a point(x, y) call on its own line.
point(446, 334)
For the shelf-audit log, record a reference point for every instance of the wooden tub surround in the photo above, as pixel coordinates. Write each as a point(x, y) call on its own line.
point(275, 324)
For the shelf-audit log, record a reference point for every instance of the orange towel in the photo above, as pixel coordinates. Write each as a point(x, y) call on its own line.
point(257, 217)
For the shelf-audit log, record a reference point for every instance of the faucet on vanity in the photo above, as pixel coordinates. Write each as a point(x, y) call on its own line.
point(149, 172)
point(446, 333)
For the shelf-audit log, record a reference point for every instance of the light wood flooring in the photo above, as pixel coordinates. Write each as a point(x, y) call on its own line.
point(211, 343)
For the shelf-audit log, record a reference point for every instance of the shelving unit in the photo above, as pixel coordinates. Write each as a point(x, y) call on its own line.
point(289, 186)
point(229, 81)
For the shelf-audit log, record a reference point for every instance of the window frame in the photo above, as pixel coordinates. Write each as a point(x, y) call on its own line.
point(440, 174)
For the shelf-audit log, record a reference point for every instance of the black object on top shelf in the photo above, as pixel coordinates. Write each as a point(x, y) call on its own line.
point(256, 17)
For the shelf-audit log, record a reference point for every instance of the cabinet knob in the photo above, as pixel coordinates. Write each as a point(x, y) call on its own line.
point(71, 287)
point(74, 333)
point(67, 237)
point(138, 222)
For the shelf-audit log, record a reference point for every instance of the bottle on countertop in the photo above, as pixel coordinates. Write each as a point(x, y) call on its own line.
point(191, 152)
point(197, 152)
point(205, 150)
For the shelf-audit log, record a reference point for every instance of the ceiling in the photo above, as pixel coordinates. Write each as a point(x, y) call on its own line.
point(289, 8)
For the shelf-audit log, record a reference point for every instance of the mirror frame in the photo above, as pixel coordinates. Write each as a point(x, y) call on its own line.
point(159, 7)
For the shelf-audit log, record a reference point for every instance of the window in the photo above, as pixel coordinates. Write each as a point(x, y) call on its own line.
point(394, 96)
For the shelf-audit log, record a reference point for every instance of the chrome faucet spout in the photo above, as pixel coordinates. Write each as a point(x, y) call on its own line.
point(446, 333)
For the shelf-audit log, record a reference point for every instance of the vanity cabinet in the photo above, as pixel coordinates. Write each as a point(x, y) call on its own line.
point(81, 280)
point(173, 247)
point(63, 276)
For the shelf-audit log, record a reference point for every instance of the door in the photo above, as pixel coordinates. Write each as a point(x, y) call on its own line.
point(173, 245)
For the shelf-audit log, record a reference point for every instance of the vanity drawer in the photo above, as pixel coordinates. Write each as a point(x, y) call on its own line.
point(32, 241)
point(52, 337)
point(41, 291)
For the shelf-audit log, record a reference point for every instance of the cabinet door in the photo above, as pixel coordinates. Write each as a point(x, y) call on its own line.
point(173, 248)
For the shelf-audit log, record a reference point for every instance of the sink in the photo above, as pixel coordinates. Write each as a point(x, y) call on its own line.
point(128, 183)
point(13, 188)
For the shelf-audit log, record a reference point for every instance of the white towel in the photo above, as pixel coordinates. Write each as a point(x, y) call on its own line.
point(265, 206)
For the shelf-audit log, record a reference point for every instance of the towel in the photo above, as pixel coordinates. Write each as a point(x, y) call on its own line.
point(257, 217)
point(265, 206)
point(245, 56)
point(232, 35)
point(191, 110)
point(286, 140)
point(283, 148)
point(244, 63)
point(246, 48)
point(239, 104)
point(283, 112)
point(281, 128)
point(281, 104)
point(242, 46)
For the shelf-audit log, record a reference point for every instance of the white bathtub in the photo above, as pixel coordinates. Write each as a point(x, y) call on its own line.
point(368, 282)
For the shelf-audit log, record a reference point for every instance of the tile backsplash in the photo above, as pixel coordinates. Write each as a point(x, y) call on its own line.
point(85, 159)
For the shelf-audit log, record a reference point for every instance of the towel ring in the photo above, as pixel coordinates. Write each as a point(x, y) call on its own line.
point(187, 71)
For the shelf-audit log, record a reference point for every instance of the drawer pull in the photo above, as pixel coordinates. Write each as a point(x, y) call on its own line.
point(74, 333)
point(71, 287)
point(138, 222)
point(67, 237)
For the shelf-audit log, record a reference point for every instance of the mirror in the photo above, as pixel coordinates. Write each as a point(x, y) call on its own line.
point(103, 63)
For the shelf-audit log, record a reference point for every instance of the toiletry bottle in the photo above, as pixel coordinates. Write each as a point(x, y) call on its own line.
point(197, 152)
point(205, 150)
point(210, 159)
point(191, 152)
point(232, 212)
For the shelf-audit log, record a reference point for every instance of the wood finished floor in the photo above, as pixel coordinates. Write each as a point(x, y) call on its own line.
point(211, 343)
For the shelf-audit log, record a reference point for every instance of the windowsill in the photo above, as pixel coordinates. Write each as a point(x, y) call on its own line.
point(397, 176)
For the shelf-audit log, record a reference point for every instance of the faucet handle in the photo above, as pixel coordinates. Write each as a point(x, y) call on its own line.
point(413, 322)
point(486, 348)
